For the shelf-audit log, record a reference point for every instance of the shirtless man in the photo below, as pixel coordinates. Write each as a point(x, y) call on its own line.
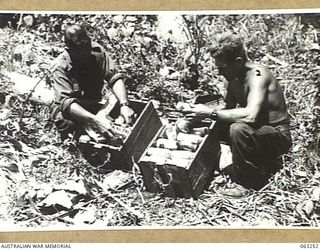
point(255, 121)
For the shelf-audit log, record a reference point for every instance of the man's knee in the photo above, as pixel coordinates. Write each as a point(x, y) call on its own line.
point(239, 130)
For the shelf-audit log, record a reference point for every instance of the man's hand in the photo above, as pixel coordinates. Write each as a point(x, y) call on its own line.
point(127, 113)
point(95, 125)
point(197, 111)
point(102, 124)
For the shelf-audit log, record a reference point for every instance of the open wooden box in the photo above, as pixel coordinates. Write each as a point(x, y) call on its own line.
point(142, 132)
point(185, 180)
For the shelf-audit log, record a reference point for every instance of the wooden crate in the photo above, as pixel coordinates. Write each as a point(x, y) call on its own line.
point(143, 131)
point(177, 181)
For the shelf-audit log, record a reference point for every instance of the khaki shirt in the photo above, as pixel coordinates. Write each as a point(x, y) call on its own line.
point(83, 84)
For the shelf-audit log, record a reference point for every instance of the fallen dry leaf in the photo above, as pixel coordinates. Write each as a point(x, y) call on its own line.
point(87, 216)
point(315, 194)
point(57, 198)
point(73, 186)
point(115, 180)
point(305, 208)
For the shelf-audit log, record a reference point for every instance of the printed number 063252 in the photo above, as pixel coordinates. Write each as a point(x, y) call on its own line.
point(309, 246)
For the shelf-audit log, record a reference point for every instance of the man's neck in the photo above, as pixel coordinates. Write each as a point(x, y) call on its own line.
point(242, 74)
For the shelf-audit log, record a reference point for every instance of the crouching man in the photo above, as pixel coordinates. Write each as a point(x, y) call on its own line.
point(79, 76)
point(255, 121)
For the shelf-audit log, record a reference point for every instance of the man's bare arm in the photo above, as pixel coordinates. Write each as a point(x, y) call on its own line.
point(258, 81)
point(78, 113)
point(120, 92)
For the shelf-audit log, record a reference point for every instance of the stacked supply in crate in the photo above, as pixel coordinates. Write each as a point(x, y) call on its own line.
point(181, 159)
point(131, 141)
